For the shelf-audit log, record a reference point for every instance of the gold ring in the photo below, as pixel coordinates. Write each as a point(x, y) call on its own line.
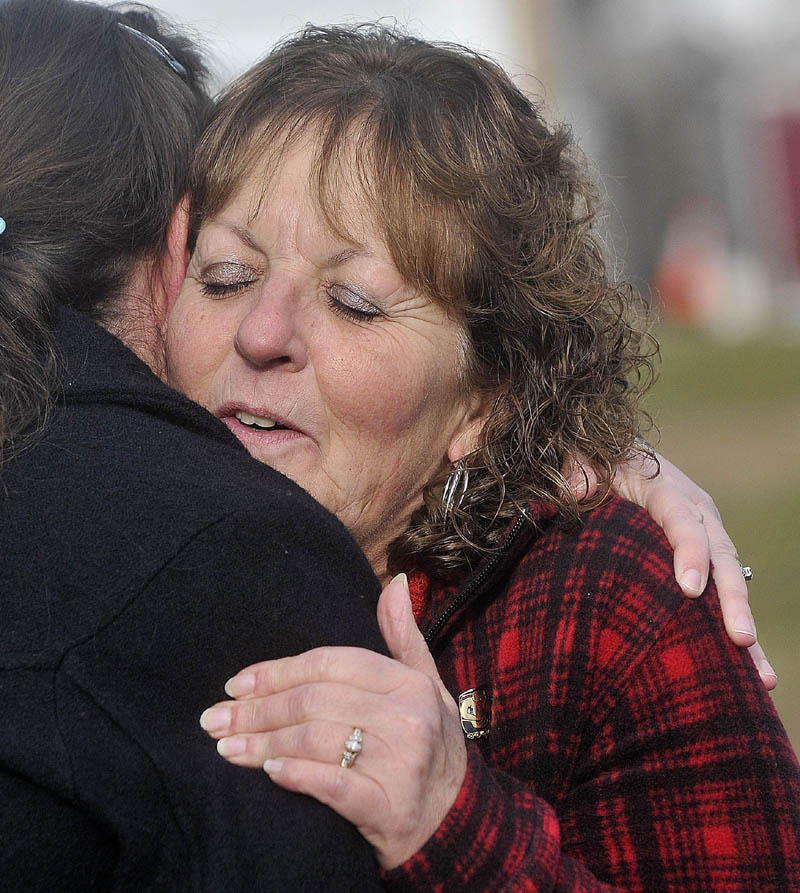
point(352, 748)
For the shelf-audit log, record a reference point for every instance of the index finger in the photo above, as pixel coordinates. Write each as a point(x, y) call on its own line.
point(359, 666)
point(686, 528)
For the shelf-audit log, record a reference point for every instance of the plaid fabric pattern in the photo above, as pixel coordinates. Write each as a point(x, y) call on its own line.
point(633, 746)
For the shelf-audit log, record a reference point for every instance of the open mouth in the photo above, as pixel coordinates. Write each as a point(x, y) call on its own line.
point(258, 423)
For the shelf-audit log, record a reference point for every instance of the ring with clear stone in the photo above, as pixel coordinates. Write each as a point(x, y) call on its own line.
point(352, 748)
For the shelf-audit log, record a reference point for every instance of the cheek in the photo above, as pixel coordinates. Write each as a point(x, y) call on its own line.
point(372, 399)
point(391, 399)
point(196, 346)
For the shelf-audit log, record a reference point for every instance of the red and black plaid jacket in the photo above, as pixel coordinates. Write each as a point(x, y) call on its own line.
point(632, 744)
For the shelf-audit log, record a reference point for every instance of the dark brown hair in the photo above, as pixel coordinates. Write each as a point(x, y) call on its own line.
point(98, 130)
point(489, 211)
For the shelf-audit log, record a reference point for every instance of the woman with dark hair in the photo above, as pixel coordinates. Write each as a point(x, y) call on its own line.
point(104, 192)
point(145, 555)
point(396, 298)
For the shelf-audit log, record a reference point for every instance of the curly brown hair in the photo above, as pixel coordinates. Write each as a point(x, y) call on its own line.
point(490, 212)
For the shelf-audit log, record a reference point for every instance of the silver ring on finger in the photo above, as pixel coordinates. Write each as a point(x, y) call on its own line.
point(352, 748)
point(747, 572)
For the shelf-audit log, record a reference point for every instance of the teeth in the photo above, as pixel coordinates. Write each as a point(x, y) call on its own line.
point(254, 421)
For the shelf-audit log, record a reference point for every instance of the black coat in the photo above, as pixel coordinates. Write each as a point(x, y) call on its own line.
point(144, 559)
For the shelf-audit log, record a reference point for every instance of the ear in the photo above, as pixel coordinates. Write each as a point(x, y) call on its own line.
point(173, 263)
point(466, 439)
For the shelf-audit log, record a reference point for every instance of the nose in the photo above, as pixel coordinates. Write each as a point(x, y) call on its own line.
point(270, 333)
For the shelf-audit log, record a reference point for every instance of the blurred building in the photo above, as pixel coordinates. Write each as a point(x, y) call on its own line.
point(692, 111)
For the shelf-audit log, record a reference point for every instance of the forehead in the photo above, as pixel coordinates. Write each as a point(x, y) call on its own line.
point(295, 177)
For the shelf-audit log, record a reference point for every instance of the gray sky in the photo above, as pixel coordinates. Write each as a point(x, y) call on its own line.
point(240, 31)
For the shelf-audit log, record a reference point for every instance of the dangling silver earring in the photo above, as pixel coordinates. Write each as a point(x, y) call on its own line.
point(455, 487)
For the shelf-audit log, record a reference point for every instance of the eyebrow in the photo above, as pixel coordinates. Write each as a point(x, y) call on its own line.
point(341, 257)
point(244, 234)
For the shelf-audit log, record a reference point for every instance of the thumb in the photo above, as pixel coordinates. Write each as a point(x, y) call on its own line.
point(396, 620)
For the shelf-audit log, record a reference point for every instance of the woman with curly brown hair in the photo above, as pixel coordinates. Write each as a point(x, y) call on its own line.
point(396, 298)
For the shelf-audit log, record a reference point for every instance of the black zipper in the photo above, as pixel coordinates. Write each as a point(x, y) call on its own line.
point(468, 591)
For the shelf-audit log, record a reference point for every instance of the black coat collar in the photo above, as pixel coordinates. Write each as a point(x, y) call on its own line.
point(96, 367)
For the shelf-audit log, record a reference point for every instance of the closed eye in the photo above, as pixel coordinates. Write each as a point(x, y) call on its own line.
point(349, 304)
point(225, 289)
point(221, 280)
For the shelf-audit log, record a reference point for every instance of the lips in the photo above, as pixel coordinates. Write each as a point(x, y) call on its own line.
point(260, 429)
point(255, 418)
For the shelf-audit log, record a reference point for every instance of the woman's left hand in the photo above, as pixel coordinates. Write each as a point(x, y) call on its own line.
point(294, 715)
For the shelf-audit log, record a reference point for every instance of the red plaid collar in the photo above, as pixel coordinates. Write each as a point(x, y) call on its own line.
point(419, 583)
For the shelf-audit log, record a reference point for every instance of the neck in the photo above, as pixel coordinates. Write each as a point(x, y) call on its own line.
point(142, 335)
point(135, 321)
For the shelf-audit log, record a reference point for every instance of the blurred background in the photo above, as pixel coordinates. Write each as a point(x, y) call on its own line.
point(690, 112)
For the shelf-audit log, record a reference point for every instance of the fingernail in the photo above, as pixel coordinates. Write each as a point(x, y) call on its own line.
point(231, 747)
point(244, 684)
point(691, 581)
point(402, 578)
point(215, 719)
point(766, 670)
point(273, 767)
point(743, 624)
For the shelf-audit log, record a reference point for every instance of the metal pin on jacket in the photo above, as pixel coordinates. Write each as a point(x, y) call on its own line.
point(475, 709)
